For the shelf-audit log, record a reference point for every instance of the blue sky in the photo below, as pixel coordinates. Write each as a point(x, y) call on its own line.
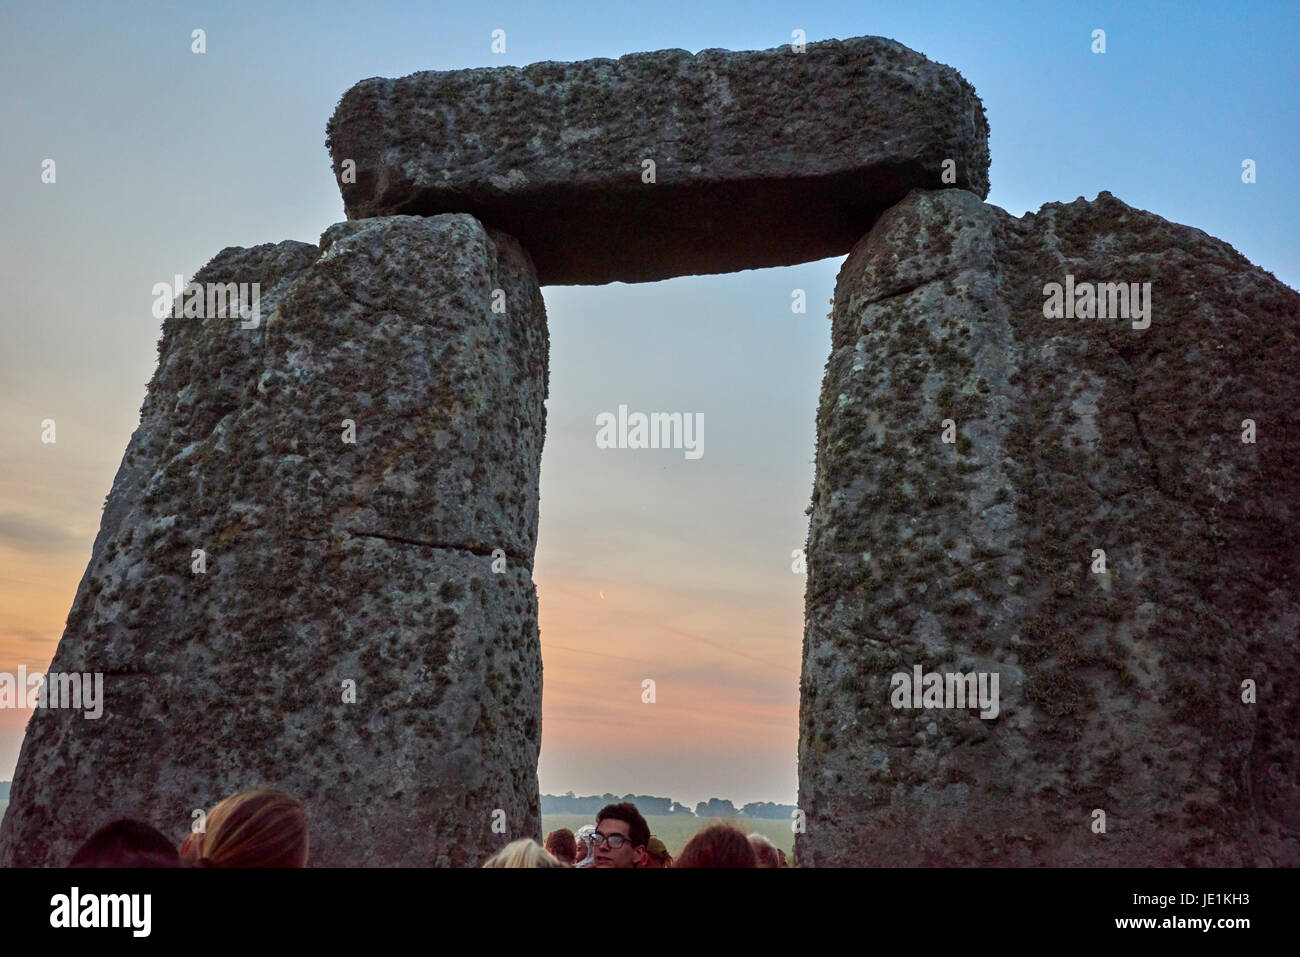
point(165, 157)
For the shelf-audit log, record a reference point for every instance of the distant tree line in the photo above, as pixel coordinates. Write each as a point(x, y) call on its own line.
point(717, 807)
point(648, 804)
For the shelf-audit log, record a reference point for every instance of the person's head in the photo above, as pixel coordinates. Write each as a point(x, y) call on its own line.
point(127, 844)
point(656, 854)
point(622, 825)
point(562, 845)
point(765, 853)
point(718, 845)
point(264, 828)
point(583, 857)
point(524, 852)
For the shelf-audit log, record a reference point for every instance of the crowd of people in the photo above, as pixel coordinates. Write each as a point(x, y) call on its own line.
point(269, 828)
point(621, 838)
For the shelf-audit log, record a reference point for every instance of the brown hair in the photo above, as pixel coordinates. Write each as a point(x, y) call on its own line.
point(127, 843)
point(263, 828)
point(718, 845)
point(562, 844)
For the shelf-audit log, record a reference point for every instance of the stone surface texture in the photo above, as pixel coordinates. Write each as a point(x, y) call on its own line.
point(762, 158)
point(326, 562)
point(1119, 691)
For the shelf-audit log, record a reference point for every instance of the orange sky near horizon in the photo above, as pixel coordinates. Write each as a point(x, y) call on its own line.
point(711, 692)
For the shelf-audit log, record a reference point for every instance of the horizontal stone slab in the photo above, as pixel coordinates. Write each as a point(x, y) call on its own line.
point(760, 158)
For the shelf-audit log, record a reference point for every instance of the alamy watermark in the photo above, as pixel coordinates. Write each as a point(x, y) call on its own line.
point(935, 690)
point(212, 300)
point(1103, 300)
point(129, 911)
point(656, 430)
point(79, 691)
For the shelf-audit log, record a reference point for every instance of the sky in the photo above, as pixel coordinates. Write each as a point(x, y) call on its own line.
point(649, 564)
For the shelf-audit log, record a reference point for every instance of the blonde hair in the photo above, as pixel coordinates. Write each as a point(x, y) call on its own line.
point(524, 852)
point(262, 828)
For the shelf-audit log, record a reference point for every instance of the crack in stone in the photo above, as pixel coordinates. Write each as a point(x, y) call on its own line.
point(1155, 469)
point(1128, 381)
point(475, 549)
point(907, 289)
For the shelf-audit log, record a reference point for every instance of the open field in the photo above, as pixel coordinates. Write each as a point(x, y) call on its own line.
point(676, 829)
point(3, 805)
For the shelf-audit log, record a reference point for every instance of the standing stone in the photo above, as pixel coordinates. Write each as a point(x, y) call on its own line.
point(400, 561)
point(760, 158)
point(1121, 690)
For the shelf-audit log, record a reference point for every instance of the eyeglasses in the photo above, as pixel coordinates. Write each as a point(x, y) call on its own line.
point(615, 841)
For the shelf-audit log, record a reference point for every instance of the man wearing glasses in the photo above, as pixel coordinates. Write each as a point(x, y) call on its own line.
point(621, 836)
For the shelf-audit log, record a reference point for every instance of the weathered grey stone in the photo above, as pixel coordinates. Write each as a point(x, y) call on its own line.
point(762, 158)
point(325, 562)
point(1119, 691)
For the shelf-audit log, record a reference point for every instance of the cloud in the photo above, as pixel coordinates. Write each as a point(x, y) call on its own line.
point(27, 534)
